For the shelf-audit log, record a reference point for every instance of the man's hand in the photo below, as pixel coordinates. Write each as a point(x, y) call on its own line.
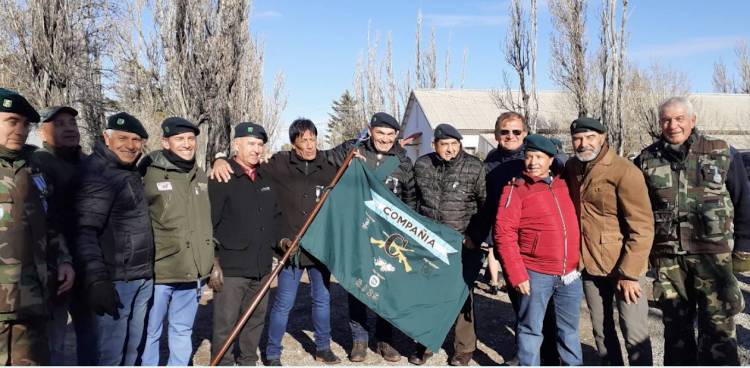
point(631, 290)
point(221, 171)
point(216, 280)
point(285, 244)
point(65, 275)
point(103, 298)
point(410, 139)
point(469, 244)
point(524, 288)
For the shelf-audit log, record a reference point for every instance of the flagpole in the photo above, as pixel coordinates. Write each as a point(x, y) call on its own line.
point(275, 273)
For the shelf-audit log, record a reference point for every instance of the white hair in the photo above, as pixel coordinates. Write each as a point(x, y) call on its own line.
point(678, 100)
point(108, 132)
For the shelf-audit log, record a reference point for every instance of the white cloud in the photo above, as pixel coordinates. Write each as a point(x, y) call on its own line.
point(464, 20)
point(686, 47)
point(266, 14)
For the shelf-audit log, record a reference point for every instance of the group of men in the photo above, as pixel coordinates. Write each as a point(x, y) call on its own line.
point(126, 244)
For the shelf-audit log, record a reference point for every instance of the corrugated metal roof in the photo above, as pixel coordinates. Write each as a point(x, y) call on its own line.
point(477, 110)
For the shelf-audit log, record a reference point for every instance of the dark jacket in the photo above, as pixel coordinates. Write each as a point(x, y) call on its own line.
point(115, 241)
point(536, 229)
point(400, 181)
point(180, 218)
point(450, 192)
point(299, 183)
point(500, 167)
point(61, 169)
point(245, 216)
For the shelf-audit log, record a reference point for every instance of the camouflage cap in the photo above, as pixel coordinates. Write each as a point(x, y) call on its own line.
point(248, 129)
point(13, 102)
point(49, 113)
point(125, 122)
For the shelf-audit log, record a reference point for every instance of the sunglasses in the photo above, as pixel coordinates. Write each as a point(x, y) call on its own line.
point(515, 132)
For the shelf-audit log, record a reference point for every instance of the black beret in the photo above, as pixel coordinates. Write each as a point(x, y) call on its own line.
point(536, 142)
point(382, 119)
point(446, 131)
point(175, 125)
point(49, 113)
point(127, 123)
point(250, 130)
point(586, 125)
point(11, 101)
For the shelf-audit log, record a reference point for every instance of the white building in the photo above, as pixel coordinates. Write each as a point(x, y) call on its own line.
point(473, 113)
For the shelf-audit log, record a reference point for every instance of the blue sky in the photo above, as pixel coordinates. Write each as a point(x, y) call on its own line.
point(316, 44)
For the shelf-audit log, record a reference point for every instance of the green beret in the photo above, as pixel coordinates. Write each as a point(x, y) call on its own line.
point(382, 119)
point(584, 124)
point(175, 125)
point(248, 129)
point(446, 131)
point(49, 113)
point(536, 142)
point(125, 122)
point(11, 101)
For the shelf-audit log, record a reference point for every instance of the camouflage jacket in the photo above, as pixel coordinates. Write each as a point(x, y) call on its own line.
point(699, 195)
point(24, 240)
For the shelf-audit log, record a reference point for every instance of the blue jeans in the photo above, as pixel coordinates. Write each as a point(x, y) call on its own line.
point(567, 299)
point(120, 338)
point(286, 293)
point(179, 303)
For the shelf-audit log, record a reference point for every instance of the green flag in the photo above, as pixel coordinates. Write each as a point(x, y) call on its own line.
point(402, 265)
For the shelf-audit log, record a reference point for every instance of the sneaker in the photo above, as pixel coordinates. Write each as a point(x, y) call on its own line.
point(388, 352)
point(420, 356)
point(359, 352)
point(461, 359)
point(327, 357)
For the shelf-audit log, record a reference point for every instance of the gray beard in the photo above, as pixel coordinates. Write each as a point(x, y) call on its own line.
point(594, 155)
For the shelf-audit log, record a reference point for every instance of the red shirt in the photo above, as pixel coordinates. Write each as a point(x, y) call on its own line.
point(536, 229)
point(249, 171)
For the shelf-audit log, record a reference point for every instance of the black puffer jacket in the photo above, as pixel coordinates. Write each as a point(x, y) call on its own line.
point(115, 241)
point(450, 192)
point(400, 181)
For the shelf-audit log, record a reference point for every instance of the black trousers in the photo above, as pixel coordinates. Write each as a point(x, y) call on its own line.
point(229, 304)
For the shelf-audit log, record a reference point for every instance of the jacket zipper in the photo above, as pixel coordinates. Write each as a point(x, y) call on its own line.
point(565, 230)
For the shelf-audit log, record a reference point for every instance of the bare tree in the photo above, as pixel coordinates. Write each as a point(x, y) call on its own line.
point(611, 68)
point(518, 54)
point(430, 63)
point(743, 66)
point(722, 82)
point(52, 53)
point(569, 50)
point(463, 67)
point(200, 62)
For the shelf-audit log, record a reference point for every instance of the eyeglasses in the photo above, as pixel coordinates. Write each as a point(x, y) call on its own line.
point(515, 132)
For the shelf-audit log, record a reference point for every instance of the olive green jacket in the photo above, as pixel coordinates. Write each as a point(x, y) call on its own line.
point(181, 220)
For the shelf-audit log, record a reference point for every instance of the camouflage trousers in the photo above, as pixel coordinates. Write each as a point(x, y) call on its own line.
point(23, 343)
point(702, 286)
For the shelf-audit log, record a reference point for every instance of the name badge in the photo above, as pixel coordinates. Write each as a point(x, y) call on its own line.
point(163, 186)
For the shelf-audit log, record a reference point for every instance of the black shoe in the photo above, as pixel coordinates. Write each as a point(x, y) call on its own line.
point(420, 356)
point(359, 352)
point(327, 357)
point(273, 363)
point(388, 352)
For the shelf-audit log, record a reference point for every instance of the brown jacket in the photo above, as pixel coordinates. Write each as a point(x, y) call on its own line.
point(614, 210)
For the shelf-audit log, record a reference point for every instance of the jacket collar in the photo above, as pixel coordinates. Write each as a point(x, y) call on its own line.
point(438, 161)
point(501, 155)
point(159, 160)
point(110, 159)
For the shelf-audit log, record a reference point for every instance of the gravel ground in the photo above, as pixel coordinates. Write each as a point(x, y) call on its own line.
point(494, 328)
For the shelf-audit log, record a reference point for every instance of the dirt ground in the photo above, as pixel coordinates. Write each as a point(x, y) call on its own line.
point(494, 329)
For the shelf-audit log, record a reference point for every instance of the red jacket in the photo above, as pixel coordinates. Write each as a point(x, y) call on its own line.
point(536, 229)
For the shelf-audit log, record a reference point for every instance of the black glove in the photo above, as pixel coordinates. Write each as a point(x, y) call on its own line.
point(103, 298)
